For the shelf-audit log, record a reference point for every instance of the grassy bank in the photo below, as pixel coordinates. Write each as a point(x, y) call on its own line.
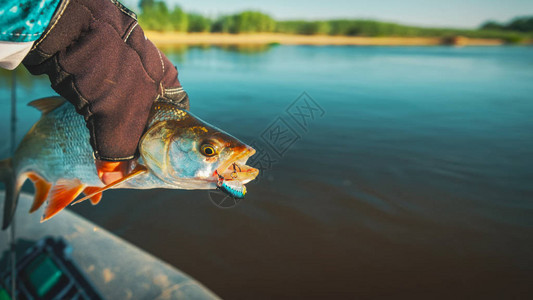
point(253, 27)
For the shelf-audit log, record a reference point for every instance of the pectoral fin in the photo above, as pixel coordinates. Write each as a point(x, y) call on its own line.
point(95, 191)
point(63, 192)
point(42, 187)
point(139, 169)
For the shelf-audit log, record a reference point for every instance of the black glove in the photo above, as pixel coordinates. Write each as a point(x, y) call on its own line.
point(98, 58)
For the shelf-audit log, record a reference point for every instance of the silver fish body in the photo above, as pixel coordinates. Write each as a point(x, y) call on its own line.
point(177, 151)
point(57, 147)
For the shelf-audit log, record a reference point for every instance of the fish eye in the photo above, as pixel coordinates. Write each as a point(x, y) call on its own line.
point(208, 150)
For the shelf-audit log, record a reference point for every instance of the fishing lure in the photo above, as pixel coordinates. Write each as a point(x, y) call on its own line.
point(233, 188)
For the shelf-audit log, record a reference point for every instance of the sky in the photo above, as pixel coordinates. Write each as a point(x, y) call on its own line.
point(430, 13)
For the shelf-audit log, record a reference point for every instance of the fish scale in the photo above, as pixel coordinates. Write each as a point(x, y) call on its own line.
point(58, 148)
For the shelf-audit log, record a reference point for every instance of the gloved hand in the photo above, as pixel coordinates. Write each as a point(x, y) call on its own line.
point(97, 57)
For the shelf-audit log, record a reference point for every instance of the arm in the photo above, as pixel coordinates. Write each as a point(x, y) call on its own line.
point(97, 57)
point(22, 22)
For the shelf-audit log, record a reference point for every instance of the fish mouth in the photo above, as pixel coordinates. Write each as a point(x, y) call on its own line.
point(235, 167)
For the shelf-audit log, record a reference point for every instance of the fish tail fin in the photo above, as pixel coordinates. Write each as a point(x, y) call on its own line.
point(7, 176)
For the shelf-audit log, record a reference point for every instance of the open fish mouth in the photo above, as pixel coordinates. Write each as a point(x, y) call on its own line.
point(235, 167)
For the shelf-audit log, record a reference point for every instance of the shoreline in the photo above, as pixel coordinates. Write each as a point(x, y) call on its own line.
point(178, 38)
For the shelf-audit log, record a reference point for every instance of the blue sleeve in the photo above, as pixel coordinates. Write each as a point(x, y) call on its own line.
point(25, 20)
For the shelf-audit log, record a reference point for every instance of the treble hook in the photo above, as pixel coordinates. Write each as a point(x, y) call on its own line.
point(234, 173)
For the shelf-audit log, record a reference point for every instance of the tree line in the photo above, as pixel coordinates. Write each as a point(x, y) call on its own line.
point(155, 15)
point(521, 24)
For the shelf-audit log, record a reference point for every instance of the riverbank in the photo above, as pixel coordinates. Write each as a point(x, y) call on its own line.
point(174, 38)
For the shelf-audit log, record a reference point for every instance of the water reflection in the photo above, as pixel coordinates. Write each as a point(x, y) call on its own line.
point(238, 48)
point(24, 78)
point(178, 52)
point(248, 49)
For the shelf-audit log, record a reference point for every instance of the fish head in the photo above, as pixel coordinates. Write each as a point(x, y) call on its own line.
point(188, 153)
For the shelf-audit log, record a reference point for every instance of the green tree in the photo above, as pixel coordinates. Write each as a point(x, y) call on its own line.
point(155, 15)
point(492, 25)
point(198, 23)
point(523, 24)
point(179, 20)
point(317, 27)
point(223, 24)
point(245, 22)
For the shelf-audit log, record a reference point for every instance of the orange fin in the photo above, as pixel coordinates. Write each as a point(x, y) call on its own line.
point(63, 192)
point(42, 187)
point(93, 190)
point(139, 169)
point(48, 104)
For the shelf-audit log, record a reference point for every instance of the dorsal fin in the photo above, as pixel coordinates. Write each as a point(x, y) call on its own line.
point(48, 104)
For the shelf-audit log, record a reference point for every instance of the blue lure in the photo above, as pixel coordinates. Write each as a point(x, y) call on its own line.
point(233, 188)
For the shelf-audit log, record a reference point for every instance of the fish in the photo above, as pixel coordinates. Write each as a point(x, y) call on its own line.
point(177, 151)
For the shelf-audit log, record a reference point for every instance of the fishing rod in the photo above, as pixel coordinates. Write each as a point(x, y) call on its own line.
point(12, 236)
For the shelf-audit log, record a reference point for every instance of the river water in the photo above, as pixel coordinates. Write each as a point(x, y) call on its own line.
point(386, 171)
